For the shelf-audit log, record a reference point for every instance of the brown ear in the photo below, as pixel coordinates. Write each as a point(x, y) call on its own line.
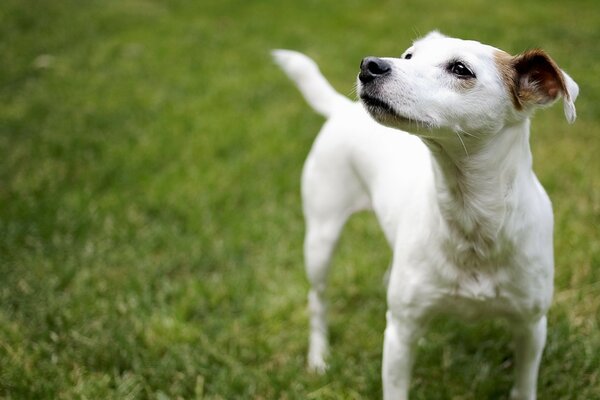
point(538, 79)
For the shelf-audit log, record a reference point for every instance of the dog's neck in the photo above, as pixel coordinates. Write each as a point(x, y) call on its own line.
point(475, 181)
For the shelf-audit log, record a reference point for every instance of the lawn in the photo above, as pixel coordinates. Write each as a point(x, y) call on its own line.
point(150, 219)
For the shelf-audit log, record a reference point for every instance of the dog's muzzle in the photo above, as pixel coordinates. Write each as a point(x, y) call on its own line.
point(373, 67)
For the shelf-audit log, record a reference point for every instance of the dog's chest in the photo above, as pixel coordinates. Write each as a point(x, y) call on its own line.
point(509, 288)
point(480, 272)
point(474, 293)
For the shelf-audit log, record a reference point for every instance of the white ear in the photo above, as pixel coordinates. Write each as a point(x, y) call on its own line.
point(569, 97)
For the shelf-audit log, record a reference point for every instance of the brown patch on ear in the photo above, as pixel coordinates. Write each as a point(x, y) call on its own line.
point(532, 77)
point(504, 62)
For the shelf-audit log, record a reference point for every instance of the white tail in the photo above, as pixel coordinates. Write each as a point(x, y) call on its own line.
point(319, 94)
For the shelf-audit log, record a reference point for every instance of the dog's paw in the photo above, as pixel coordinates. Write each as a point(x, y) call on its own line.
point(516, 394)
point(316, 361)
point(317, 365)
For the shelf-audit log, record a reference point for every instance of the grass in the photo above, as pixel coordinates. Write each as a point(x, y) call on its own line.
point(150, 223)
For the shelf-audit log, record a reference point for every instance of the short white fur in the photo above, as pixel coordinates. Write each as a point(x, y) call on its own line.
point(470, 226)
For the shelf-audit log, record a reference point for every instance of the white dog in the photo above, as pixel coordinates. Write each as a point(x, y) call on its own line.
point(468, 221)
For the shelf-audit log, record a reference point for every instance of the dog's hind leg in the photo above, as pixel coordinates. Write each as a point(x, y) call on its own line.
point(321, 238)
point(329, 198)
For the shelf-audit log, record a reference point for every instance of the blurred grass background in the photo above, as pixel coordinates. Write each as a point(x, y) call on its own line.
point(150, 223)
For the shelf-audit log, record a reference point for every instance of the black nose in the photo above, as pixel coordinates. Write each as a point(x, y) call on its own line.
point(372, 67)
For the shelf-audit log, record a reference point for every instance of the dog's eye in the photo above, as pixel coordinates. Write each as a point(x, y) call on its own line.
point(408, 56)
point(460, 70)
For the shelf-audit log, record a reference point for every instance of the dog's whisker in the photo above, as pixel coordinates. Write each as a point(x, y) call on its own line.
point(353, 92)
point(468, 134)
point(463, 143)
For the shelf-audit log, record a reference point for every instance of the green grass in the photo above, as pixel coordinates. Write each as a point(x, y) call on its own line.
point(150, 223)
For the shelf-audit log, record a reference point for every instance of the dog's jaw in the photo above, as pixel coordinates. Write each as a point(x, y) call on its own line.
point(381, 111)
point(385, 114)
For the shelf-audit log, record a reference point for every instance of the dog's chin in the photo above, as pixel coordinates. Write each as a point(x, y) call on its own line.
point(385, 114)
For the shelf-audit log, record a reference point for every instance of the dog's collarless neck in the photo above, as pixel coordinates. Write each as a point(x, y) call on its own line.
point(476, 192)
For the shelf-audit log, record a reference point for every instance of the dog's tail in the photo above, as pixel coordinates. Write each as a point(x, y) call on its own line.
point(319, 94)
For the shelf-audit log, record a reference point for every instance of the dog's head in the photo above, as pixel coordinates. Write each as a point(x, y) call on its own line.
point(462, 86)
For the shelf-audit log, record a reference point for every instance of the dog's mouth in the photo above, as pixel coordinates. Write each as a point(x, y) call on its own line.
point(377, 106)
point(385, 114)
point(375, 103)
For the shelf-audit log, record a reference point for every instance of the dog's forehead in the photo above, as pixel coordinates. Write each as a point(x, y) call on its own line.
point(443, 46)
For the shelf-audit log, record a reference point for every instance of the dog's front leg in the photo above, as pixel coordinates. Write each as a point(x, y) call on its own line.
point(530, 339)
point(398, 356)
